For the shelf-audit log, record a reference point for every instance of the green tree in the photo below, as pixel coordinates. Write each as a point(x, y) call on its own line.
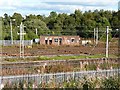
point(77, 23)
point(31, 26)
point(18, 18)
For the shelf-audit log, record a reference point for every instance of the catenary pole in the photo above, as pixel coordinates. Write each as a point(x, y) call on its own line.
point(107, 33)
point(96, 36)
point(11, 31)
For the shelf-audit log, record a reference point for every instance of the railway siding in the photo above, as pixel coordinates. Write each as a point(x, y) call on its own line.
point(54, 62)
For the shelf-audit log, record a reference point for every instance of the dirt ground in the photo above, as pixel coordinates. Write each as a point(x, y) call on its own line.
point(37, 50)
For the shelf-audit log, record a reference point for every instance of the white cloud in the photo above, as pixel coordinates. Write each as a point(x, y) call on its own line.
point(9, 3)
point(43, 6)
point(104, 2)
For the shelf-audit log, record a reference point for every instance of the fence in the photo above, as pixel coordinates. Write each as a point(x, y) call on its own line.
point(59, 77)
point(15, 42)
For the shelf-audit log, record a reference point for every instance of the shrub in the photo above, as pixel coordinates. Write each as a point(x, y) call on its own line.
point(111, 83)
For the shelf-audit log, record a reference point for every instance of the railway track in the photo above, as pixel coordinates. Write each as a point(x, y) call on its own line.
point(29, 64)
point(5, 54)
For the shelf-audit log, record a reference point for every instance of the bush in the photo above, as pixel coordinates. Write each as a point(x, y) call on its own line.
point(111, 83)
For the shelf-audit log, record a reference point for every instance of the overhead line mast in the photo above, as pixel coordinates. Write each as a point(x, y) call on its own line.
point(21, 40)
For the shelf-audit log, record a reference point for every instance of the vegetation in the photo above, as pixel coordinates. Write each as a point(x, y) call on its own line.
point(58, 67)
point(77, 23)
point(60, 57)
point(68, 57)
point(111, 83)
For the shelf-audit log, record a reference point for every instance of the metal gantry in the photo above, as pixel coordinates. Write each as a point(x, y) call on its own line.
point(22, 33)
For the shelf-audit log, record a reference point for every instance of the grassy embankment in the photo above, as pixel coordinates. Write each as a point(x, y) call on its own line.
point(59, 57)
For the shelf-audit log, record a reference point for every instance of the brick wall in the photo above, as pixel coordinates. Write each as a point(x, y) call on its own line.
point(59, 40)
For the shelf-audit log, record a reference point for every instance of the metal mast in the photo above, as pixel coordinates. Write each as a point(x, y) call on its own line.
point(96, 36)
point(107, 32)
point(11, 31)
point(36, 31)
point(21, 40)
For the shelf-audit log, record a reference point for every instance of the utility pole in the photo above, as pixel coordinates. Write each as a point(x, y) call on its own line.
point(107, 34)
point(11, 30)
point(36, 31)
point(96, 36)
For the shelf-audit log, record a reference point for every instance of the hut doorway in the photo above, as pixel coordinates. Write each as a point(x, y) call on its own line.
point(50, 42)
point(60, 41)
point(46, 42)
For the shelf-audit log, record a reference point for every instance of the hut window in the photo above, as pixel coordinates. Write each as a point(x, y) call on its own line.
point(72, 40)
point(56, 39)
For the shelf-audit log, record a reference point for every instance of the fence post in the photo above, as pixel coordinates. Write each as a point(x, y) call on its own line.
point(106, 73)
point(73, 75)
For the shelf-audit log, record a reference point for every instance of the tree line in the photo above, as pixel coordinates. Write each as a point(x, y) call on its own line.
point(77, 23)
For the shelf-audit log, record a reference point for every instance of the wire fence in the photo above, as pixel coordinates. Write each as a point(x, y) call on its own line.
point(15, 42)
point(58, 77)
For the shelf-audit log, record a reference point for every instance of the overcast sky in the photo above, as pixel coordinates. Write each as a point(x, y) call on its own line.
point(44, 7)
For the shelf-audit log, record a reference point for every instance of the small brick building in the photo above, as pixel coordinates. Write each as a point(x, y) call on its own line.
point(59, 40)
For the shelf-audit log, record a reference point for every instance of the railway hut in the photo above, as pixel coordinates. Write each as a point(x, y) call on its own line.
point(59, 40)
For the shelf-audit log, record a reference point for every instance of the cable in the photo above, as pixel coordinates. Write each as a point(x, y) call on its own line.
point(96, 44)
